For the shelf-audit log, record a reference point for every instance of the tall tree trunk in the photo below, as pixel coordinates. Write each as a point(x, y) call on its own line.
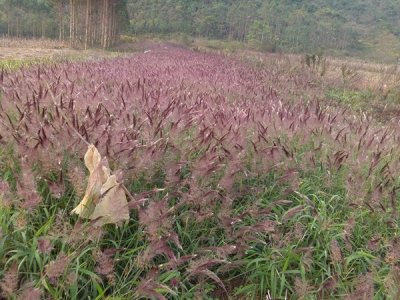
point(60, 12)
point(93, 22)
point(43, 30)
point(17, 27)
point(104, 22)
point(8, 25)
point(62, 23)
point(71, 23)
point(87, 24)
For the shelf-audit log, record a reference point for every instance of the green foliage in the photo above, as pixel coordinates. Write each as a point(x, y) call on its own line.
point(261, 37)
point(339, 27)
point(28, 18)
point(15, 64)
point(352, 98)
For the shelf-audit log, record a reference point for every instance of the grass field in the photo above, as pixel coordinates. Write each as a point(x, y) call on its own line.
point(237, 176)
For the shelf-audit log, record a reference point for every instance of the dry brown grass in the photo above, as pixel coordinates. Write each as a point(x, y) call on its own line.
point(32, 43)
point(12, 48)
point(372, 76)
point(28, 49)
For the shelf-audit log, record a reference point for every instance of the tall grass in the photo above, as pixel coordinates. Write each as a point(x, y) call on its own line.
point(239, 191)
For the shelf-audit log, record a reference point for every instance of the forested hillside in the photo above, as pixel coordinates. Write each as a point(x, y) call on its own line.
point(366, 28)
point(347, 27)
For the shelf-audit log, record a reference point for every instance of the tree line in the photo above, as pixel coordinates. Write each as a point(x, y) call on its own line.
point(342, 26)
point(83, 23)
point(274, 25)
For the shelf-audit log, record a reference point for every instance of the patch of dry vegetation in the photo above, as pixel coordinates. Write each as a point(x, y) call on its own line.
point(363, 87)
point(17, 53)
